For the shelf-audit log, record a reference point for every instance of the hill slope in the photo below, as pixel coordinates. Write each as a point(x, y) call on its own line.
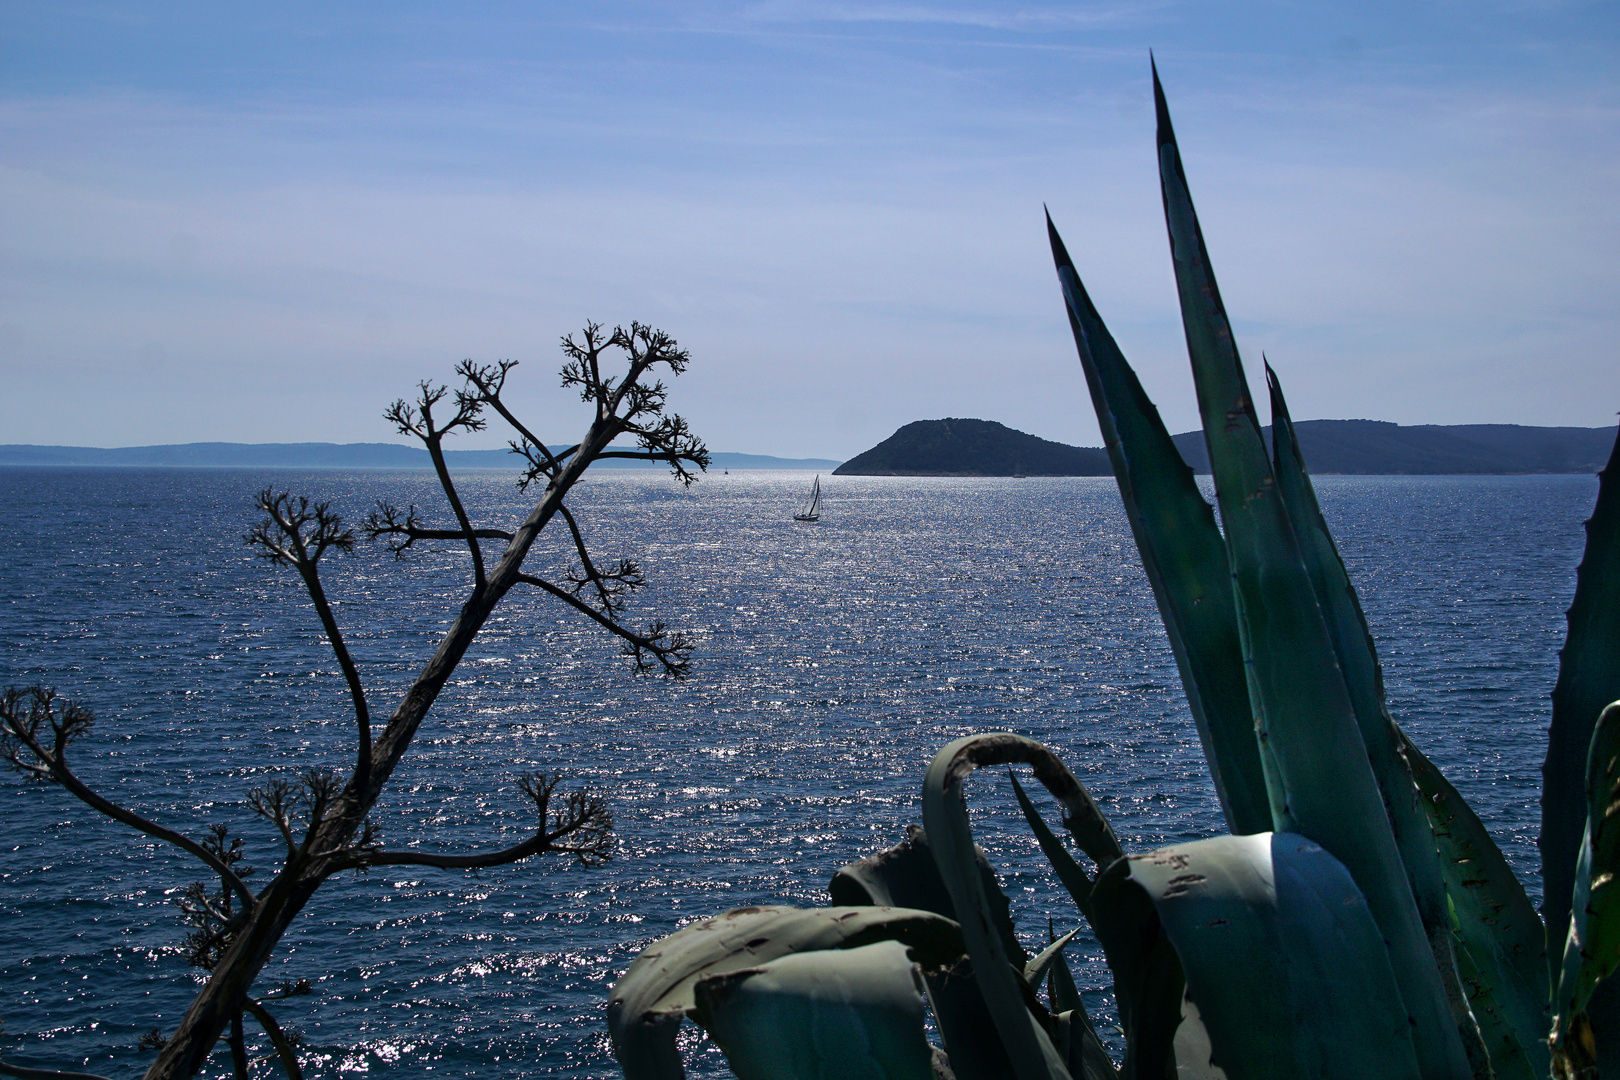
point(955, 447)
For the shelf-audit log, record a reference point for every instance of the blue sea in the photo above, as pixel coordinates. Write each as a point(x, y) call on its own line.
point(832, 661)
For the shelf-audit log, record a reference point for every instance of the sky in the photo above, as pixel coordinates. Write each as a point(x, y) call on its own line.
point(263, 223)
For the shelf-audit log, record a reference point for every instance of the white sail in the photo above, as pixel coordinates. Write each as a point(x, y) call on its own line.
point(812, 508)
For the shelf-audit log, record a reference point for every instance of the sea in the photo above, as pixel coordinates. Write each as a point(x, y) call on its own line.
point(831, 661)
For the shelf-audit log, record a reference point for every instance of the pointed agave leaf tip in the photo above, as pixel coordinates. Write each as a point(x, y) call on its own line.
point(1060, 253)
point(1161, 107)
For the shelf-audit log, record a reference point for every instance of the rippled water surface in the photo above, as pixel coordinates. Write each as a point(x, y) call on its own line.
point(832, 661)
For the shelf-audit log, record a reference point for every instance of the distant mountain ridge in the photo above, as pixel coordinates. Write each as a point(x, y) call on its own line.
point(959, 447)
point(1380, 447)
point(333, 456)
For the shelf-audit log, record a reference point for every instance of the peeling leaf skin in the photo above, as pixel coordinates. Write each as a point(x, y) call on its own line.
point(849, 1014)
point(648, 1002)
point(1283, 962)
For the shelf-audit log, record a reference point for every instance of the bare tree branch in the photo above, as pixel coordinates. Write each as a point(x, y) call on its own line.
point(285, 1049)
point(282, 539)
point(583, 828)
point(418, 421)
point(8, 1069)
point(385, 521)
point(274, 802)
point(23, 713)
point(322, 821)
point(612, 586)
point(487, 382)
point(672, 651)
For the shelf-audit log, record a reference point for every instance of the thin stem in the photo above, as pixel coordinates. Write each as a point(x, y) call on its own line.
point(676, 667)
point(436, 451)
point(7, 1069)
point(284, 1047)
point(357, 693)
point(59, 771)
point(588, 567)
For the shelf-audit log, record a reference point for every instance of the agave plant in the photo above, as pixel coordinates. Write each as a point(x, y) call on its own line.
point(1357, 921)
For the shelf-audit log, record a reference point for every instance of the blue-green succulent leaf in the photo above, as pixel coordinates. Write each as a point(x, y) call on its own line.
point(1588, 679)
point(1182, 553)
point(1283, 961)
point(648, 1002)
point(850, 1014)
point(1319, 779)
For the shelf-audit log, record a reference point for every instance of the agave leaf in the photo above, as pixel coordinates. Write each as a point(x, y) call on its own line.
point(1592, 950)
point(649, 1000)
point(1038, 967)
point(1588, 679)
point(853, 1013)
point(1029, 1048)
point(1148, 984)
point(1061, 992)
point(1063, 995)
point(906, 876)
point(1074, 1035)
point(1282, 958)
point(1070, 874)
point(1181, 551)
point(1083, 1053)
point(1502, 944)
point(1364, 681)
point(1146, 979)
point(1316, 762)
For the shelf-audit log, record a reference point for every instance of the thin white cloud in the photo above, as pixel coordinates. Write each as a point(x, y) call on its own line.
point(999, 17)
point(847, 235)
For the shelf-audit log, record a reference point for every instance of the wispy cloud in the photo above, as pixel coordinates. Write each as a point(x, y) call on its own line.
point(842, 223)
point(989, 17)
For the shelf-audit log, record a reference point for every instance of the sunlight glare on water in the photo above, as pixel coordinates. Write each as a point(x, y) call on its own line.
point(832, 661)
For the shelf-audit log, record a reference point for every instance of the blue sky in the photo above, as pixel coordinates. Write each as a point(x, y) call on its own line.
point(263, 223)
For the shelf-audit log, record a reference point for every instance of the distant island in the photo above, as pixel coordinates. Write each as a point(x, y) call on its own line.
point(958, 447)
point(334, 456)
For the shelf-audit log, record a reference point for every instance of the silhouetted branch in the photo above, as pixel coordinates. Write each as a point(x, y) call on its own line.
point(25, 713)
point(8, 1069)
point(274, 802)
point(385, 521)
point(213, 917)
point(296, 534)
point(418, 421)
point(487, 382)
point(583, 828)
point(612, 586)
point(323, 822)
point(285, 1048)
point(672, 651)
point(630, 405)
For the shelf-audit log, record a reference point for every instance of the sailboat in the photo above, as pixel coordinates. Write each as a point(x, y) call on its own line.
point(812, 508)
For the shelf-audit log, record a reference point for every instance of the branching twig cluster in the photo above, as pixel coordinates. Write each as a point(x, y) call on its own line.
point(322, 816)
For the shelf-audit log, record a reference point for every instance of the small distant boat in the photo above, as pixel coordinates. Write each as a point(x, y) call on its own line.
point(812, 508)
